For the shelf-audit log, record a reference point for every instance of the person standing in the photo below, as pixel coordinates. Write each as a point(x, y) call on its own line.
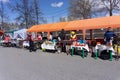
point(61, 38)
point(39, 37)
point(7, 39)
point(61, 35)
point(73, 36)
point(51, 36)
point(109, 36)
point(31, 44)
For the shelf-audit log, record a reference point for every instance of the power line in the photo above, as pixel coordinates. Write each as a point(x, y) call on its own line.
point(57, 11)
point(54, 18)
point(57, 14)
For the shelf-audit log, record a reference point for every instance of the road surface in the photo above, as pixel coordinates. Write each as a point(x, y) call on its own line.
point(20, 64)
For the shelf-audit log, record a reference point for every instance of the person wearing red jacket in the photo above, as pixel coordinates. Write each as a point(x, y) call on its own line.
point(7, 39)
point(39, 37)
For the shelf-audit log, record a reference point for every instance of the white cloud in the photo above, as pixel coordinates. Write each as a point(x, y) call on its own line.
point(59, 4)
point(4, 1)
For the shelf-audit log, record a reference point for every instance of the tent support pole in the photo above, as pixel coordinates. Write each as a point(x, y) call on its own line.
point(84, 34)
point(48, 35)
point(36, 34)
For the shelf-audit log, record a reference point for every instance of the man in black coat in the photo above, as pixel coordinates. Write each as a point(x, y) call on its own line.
point(62, 35)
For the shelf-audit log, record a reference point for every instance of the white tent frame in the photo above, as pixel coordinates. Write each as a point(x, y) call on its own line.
point(21, 33)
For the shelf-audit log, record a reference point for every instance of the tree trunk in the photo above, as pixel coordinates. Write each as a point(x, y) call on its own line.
point(111, 8)
point(110, 12)
point(36, 11)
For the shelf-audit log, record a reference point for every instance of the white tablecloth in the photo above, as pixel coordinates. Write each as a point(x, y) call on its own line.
point(25, 44)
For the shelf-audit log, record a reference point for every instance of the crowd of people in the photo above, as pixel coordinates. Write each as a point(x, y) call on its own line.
point(109, 37)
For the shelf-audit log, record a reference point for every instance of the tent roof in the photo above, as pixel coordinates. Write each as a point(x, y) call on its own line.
point(21, 30)
point(33, 28)
point(44, 27)
point(95, 23)
point(48, 27)
point(52, 27)
point(39, 28)
point(58, 26)
point(20, 33)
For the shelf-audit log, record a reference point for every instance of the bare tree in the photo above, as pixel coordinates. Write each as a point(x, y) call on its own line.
point(62, 19)
point(28, 11)
point(111, 6)
point(98, 9)
point(37, 12)
point(80, 9)
point(3, 16)
point(24, 9)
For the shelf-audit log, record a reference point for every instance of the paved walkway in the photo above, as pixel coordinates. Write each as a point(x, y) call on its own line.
point(20, 64)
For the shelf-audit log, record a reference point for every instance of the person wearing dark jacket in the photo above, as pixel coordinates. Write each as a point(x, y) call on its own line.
point(109, 35)
point(62, 35)
point(61, 38)
point(31, 44)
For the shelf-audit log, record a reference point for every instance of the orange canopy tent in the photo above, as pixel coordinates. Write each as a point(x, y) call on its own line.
point(58, 26)
point(33, 28)
point(40, 28)
point(95, 23)
point(44, 28)
point(48, 27)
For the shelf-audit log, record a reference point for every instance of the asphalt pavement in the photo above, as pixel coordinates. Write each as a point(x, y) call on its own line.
point(20, 64)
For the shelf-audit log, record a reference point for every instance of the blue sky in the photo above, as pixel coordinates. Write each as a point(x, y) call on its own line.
point(54, 8)
point(51, 9)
